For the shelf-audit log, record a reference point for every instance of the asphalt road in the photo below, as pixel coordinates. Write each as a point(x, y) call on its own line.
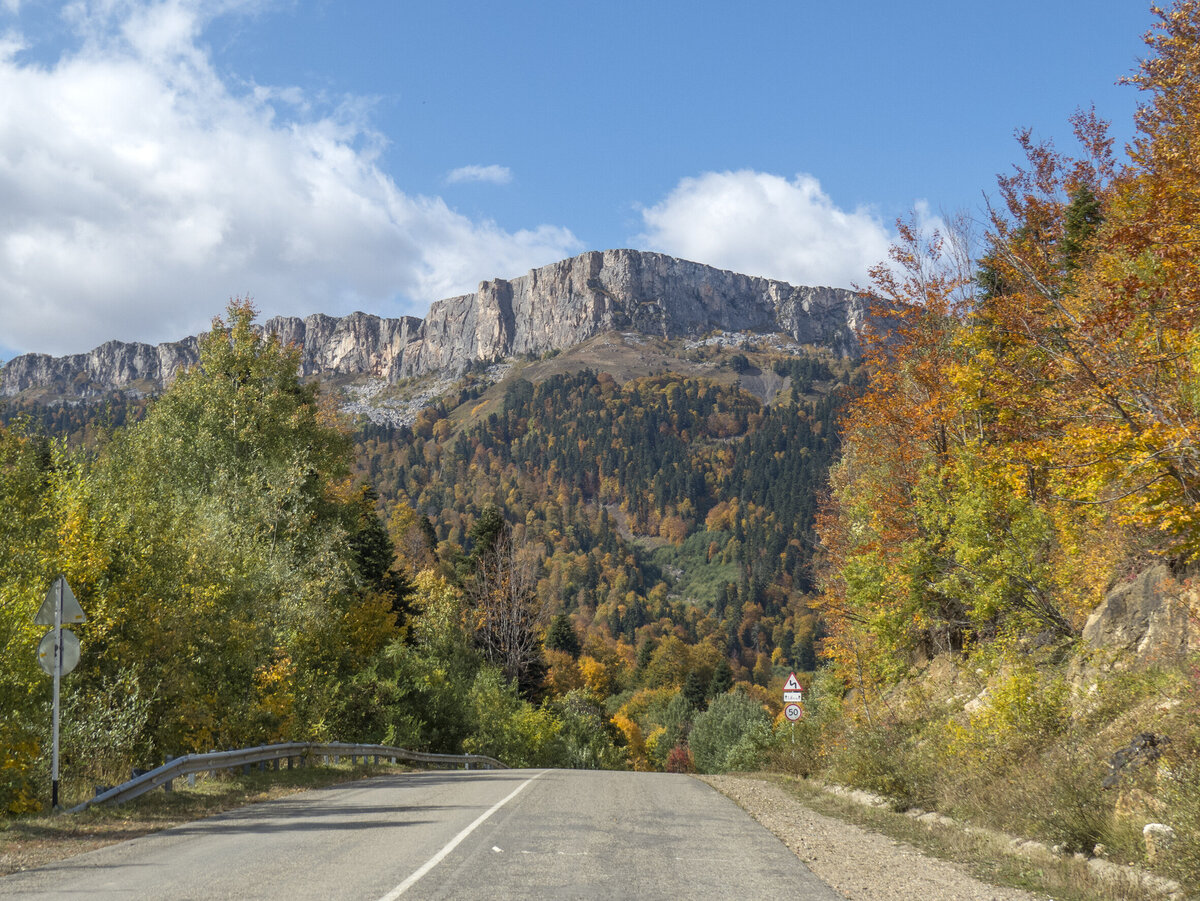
point(453, 835)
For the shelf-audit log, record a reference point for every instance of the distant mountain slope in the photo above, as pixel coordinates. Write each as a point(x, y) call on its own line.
point(661, 503)
point(552, 308)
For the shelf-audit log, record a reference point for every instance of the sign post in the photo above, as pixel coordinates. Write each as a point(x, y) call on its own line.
point(58, 654)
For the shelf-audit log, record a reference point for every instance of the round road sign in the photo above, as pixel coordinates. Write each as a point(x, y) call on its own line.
point(793, 712)
point(70, 652)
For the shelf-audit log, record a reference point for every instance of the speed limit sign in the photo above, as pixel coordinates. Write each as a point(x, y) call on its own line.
point(793, 712)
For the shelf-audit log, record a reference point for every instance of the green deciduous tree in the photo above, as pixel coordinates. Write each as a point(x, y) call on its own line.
point(26, 546)
point(228, 567)
point(730, 734)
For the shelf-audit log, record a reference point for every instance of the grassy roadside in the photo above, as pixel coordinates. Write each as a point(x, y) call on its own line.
point(987, 857)
point(34, 841)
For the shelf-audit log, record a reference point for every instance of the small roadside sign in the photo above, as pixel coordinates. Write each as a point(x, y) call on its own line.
point(71, 611)
point(792, 692)
point(69, 651)
point(793, 698)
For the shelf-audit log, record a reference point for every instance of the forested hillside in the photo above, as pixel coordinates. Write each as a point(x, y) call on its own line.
point(663, 498)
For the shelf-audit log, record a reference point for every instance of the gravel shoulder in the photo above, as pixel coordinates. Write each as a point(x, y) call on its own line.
point(861, 864)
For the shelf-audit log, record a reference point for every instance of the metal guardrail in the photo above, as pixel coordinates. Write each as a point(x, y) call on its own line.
point(305, 751)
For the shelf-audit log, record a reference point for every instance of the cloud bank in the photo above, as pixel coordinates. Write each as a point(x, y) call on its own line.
point(764, 224)
point(139, 190)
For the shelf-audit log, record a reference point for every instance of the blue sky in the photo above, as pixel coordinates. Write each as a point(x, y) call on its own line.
point(160, 156)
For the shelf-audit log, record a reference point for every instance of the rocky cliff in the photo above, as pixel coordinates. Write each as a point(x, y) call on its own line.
point(551, 308)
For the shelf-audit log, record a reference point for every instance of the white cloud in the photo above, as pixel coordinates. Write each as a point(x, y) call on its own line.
point(11, 43)
point(497, 175)
point(139, 191)
point(763, 224)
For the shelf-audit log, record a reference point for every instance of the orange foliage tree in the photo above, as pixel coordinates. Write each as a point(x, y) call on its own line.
point(1089, 326)
point(902, 427)
point(1011, 443)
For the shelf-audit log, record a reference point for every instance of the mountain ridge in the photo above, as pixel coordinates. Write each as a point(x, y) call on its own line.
point(550, 308)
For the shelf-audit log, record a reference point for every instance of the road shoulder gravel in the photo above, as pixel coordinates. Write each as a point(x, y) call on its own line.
point(861, 864)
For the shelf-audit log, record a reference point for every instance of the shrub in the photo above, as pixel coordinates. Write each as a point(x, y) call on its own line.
point(1022, 713)
point(679, 760)
point(508, 727)
point(675, 725)
point(1181, 794)
point(102, 728)
point(18, 754)
point(889, 758)
point(586, 740)
point(731, 734)
point(1068, 804)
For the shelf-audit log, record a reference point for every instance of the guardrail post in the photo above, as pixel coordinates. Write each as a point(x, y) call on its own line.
point(191, 780)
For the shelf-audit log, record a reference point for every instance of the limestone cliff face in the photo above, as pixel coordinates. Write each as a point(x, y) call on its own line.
point(551, 308)
point(352, 345)
point(114, 365)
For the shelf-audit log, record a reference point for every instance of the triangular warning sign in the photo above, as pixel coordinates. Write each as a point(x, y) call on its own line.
point(792, 684)
point(71, 611)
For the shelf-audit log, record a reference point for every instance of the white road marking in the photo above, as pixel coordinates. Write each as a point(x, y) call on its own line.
point(454, 842)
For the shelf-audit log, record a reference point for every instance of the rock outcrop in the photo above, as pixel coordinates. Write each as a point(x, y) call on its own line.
point(552, 308)
point(1149, 618)
point(113, 365)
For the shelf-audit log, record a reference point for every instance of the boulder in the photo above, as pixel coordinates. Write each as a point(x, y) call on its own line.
point(1158, 838)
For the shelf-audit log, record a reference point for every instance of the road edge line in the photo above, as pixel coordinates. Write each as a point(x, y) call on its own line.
point(454, 842)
